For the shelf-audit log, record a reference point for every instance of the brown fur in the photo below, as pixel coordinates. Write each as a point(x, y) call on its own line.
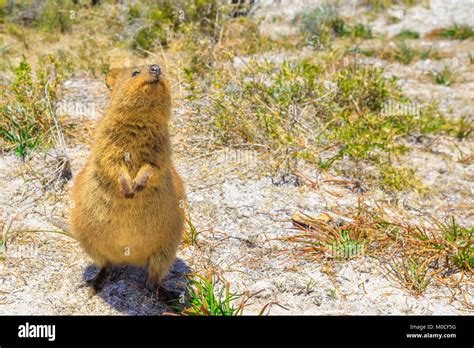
point(128, 197)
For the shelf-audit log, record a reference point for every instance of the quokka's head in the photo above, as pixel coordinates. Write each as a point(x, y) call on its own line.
point(139, 89)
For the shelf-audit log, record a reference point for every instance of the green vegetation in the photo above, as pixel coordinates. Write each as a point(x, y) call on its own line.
point(56, 16)
point(427, 251)
point(455, 32)
point(444, 77)
point(398, 178)
point(321, 108)
point(323, 24)
point(29, 107)
point(191, 235)
point(48, 16)
point(458, 242)
point(324, 237)
point(412, 272)
point(378, 5)
point(464, 128)
point(208, 296)
point(161, 19)
point(401, 52)
point(290, 108)
point(360, 31)
point(407, 34)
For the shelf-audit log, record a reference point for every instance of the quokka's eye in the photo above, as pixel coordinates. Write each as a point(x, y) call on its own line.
point(135, 73)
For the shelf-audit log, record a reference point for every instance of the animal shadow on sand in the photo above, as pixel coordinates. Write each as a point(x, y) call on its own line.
point(124, 288)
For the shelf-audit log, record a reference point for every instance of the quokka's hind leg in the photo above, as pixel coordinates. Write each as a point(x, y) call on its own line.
point(97, 282)
point(159, 265)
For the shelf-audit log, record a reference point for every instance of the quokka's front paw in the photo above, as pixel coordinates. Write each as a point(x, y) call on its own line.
point(126, 186)
point(140, 183)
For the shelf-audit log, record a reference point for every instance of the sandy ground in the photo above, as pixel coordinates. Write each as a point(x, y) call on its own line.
point(241, 215)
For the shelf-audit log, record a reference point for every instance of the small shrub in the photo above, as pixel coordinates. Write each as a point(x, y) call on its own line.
point(323, 24)
point(165, 17)
point(396, 178)
point(463, 129)
point(29, 106)
point(444, 77)
point(361, 31)
point(404, 53)
point(239, 37)
point(3, 11)
point(56, 16)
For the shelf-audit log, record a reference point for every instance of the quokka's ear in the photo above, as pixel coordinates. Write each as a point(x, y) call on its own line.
point(111, 77)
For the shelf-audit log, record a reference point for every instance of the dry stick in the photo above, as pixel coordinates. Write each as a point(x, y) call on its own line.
point(48, 231)
point(165, 61)
point(314, 184)
point(317, 99)
point(147, 52)
point(276, 114)
point(58, 137)
point(179, 82)
point(224, 149)
point(330, 273)
point(268, 306)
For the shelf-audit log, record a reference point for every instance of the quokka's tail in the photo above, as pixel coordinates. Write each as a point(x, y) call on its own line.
point(62, 225)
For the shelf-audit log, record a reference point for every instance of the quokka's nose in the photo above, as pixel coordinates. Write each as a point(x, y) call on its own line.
point(155, 69)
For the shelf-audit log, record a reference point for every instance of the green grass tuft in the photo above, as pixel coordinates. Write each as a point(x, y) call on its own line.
point(407, 34)
point(444, 77)
point(208, 296)
point(456, 32)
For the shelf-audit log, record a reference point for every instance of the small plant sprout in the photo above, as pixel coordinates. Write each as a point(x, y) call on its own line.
point(191, 234)
point(331, 237)
point(211, 296)
point(459, 243)
point(444, 77)
point(413, 273)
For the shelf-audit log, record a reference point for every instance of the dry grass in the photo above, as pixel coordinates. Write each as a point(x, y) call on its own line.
point(415, 254)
